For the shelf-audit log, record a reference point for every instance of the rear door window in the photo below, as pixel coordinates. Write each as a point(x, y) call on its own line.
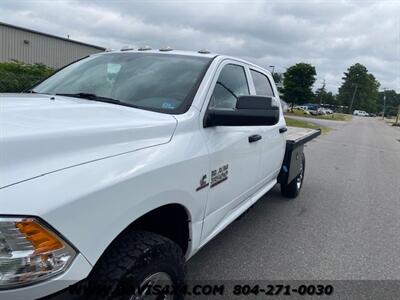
point(262, 84)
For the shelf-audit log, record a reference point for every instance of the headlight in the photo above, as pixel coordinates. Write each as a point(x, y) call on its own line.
point(30, 252)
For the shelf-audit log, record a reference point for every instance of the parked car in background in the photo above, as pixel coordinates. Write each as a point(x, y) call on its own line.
point(327, 111)
point(323, 111)
point(360, 113)
point(314, 109)
point(301, 109)
point(387, 115)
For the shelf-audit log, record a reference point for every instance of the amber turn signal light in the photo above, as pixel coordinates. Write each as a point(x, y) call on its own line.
point(42, 240)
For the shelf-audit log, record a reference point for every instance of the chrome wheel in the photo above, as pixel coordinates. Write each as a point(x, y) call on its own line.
point(145, 292)
point(299, 179)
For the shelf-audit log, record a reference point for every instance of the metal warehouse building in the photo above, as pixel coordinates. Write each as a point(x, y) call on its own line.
point(30, 46)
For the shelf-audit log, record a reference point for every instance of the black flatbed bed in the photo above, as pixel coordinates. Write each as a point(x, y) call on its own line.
point(297, 136)
point(293, 161)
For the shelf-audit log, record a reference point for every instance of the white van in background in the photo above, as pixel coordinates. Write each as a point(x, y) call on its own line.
point(360, 113)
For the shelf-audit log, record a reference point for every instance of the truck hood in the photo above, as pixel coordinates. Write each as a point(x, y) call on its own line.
point(40, 134)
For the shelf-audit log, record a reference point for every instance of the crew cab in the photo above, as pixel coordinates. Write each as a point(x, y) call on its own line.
point(121, 166)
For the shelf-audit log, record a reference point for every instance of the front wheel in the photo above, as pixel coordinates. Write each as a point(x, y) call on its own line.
point(139, 265)
point(292, 189)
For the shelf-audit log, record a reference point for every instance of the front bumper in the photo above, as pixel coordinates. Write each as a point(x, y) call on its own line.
point(79, 270)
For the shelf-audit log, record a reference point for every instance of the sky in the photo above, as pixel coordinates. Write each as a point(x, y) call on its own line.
point(331, 35)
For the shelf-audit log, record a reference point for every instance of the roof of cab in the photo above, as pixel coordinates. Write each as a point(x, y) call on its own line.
point(175, 52)
point(188, 53)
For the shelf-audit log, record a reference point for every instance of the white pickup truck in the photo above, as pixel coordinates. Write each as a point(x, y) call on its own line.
point(121, 166)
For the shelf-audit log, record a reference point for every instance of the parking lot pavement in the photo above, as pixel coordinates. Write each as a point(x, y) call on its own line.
point(344, 225)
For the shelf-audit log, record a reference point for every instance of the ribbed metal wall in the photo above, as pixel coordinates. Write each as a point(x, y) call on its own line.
point(40, 48)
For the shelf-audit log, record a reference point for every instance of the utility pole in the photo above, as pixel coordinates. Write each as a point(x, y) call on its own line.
point(352, 98)
point(273, 69)
point(321, 95)
point(398, 116)
point(384, 103)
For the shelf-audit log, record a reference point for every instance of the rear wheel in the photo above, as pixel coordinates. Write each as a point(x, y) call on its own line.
point(292, 190)
point(139, 265)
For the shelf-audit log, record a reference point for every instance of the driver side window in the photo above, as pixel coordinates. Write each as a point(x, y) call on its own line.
point(231, 84)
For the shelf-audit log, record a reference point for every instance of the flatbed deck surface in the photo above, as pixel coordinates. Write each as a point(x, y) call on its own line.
point(297, 135)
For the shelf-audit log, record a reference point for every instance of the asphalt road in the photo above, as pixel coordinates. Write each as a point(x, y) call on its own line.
point(345, 225)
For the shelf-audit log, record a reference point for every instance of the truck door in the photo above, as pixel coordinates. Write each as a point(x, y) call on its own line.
point(273, 140)
point(234, 158)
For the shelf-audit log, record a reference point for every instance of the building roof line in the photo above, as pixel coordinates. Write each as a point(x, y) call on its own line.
point(51, 35)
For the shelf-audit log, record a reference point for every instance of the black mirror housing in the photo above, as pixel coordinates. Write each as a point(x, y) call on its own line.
point(250, 111)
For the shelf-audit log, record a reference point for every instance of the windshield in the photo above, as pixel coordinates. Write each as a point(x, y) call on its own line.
point(160, 82)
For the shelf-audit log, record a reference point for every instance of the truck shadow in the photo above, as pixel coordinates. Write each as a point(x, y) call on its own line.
point(247, 240)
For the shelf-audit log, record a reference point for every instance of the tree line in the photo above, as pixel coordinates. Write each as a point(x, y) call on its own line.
point(359, 90)
point(17, 76)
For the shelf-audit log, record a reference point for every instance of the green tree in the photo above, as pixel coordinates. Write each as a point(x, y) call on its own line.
point(297, 83)
point(359, 89)
point(330, 99)
point(392, 102)
point(17, 76)
point(277, 77)
point(324, 97)
point(320, 94)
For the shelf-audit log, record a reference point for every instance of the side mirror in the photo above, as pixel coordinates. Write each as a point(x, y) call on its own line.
point(250, 111)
